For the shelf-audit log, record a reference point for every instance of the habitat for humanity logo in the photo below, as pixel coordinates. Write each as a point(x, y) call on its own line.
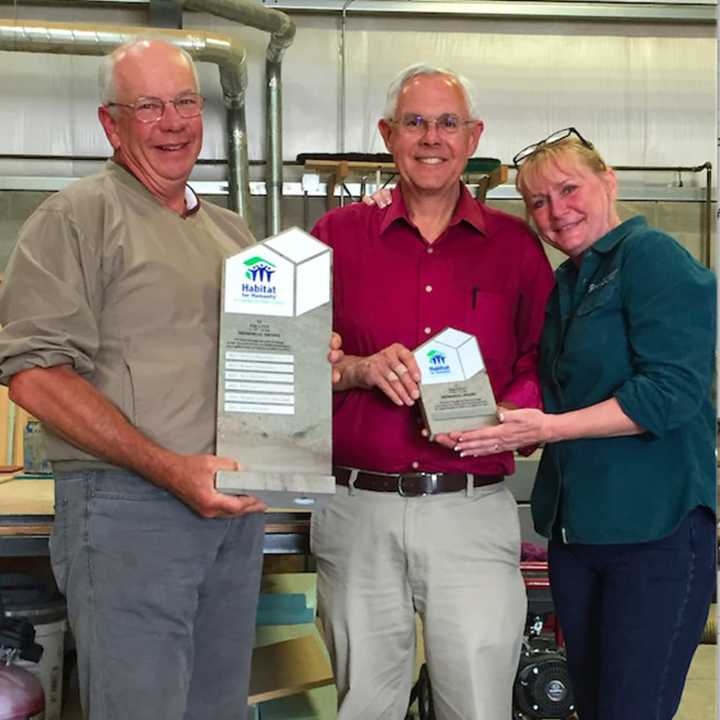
point(259, 272)
point(438, 364)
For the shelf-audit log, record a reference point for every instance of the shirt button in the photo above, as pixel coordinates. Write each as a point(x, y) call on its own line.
point(415, 465)
point(429, 251)
point(427, 330)
point(428, 288)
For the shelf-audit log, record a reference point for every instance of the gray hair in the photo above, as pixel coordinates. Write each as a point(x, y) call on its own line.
point(413, 71)
point(106, 71)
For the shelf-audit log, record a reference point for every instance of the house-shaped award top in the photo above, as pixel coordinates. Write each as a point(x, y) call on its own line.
point(274, 390)
point(455, 390)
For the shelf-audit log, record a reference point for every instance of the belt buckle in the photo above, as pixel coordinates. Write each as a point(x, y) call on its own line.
point(414, 476)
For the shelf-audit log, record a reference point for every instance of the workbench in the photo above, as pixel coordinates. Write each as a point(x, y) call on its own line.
point(483, 173)
point(26, 519)
point(26, 516)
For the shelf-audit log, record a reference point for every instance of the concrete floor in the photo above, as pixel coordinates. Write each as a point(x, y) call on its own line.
point(699, 701)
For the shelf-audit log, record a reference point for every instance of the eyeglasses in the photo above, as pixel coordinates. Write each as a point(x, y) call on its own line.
point(151, 109)
point(446, 124)
point(555, 137)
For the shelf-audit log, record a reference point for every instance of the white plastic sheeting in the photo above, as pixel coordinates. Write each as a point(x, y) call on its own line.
point(641, 100)
point(644, 94)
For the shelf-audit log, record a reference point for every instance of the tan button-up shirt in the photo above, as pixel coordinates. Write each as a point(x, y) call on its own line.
point(108, 280)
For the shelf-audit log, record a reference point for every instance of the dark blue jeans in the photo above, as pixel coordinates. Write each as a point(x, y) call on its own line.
point(632, 615)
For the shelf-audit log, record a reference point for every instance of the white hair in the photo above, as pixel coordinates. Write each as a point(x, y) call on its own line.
point(106, 71)
point(413, 71)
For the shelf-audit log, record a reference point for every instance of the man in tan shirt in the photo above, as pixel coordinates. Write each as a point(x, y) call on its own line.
point(110, 315)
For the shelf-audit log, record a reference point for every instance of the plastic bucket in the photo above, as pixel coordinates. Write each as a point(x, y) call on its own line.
point(36, 600)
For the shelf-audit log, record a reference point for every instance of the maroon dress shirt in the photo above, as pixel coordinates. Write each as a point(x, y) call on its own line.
point(486, 274)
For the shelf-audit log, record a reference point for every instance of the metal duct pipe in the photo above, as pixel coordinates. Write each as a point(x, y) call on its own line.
point(282, 33)
point(707, 245)
point(343, 80)
point(249, 12)
point(91, 39)
point(274, 164)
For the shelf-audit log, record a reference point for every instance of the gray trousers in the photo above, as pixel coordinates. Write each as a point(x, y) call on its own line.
point(452, 558)
point(161, 602)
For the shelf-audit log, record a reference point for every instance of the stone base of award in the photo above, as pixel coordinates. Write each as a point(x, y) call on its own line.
point(274, 389)
point(279, 490)
point(455, 391)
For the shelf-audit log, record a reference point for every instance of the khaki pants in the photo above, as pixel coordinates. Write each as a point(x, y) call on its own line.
point(453, 559)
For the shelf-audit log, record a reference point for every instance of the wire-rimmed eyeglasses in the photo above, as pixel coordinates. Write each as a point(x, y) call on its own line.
point(151, 109)
point(557, 136)
point(445, 124)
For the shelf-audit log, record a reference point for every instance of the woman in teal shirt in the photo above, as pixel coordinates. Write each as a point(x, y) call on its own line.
point(626, 485)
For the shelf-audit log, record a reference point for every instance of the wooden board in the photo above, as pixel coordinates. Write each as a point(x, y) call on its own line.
point(301, 526)
point(27, 497)
point(16, 531)
point(349, 167)
point(288, 667)
point(6, 477)
point(4, 410)
point(21, 418)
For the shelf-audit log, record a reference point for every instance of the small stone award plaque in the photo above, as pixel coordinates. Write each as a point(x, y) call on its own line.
point(455, 392)
point(274, 391)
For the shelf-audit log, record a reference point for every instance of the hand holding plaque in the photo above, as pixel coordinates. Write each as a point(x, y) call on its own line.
point(455, 391)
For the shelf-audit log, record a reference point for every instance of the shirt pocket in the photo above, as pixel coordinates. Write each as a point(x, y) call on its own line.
point(598, 331)
point(124, 485)
point(601, 298)
point(491, 319)
point(69, 534)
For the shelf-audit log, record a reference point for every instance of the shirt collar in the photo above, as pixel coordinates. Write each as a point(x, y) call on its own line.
point(606, 244)
point(192, 201)
point(468, 210)
point(608, 241)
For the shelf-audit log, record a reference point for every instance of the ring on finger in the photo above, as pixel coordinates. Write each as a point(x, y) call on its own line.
point(391, 376)
point(399, 370)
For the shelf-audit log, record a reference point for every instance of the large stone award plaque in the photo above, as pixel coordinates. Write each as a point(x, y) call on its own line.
point(274, 391)
point(455, 392)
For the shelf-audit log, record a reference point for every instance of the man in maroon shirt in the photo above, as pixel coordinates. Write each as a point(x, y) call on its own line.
point(415, 526)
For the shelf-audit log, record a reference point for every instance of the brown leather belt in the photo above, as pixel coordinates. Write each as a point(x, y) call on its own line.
point(413, 483)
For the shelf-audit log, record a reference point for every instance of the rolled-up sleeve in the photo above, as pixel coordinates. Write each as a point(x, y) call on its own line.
point(670, 314)
point(50, 297)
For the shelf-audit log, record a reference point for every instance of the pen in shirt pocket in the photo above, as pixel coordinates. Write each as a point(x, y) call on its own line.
point(475, 292)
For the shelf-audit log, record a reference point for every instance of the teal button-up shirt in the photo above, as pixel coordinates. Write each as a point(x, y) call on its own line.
point(636, 321)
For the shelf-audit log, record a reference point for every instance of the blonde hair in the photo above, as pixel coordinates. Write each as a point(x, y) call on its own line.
point(570, 149)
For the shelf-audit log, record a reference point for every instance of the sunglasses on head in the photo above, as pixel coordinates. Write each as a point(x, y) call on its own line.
point(555, 137)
